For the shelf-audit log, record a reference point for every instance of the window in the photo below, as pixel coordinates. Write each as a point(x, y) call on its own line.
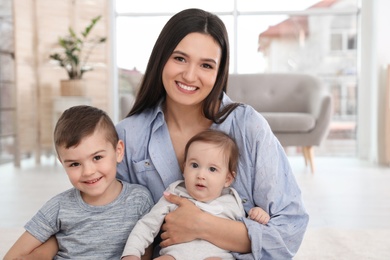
point(336, 42)
point(315, 37)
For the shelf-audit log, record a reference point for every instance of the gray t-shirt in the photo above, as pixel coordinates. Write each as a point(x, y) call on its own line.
point(90, 232)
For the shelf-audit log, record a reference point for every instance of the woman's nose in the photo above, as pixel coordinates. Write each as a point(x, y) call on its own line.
point(189, 75)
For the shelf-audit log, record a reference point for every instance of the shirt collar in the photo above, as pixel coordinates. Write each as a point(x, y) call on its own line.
point(158, 115)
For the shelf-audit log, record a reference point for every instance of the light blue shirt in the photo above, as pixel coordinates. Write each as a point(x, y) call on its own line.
point(264, 176)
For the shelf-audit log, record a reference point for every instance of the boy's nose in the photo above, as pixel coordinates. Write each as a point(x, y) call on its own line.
point(88, 169)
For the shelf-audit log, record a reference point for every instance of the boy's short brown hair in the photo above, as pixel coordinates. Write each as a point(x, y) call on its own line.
point(81, 121)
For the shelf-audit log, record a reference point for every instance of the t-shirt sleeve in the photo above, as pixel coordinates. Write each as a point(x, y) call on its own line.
point(44, 223)
point(147, 201)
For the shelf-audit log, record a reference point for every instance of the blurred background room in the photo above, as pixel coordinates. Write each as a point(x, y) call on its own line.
point(344, 44)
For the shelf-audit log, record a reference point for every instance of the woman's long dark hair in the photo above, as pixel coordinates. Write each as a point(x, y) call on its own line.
point(180, 25)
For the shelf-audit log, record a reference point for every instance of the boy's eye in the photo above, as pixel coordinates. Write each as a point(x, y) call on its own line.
point(97, 157)
point(213, 169)
point(194, 165)
point(75, 164)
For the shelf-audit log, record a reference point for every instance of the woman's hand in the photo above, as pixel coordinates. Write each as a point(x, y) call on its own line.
point(188, 222)
point(181, 224)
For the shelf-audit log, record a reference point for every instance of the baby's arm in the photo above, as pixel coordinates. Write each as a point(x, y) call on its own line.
point(23, 246)
point(259, 215)
point(148, 253)
point(147, 256)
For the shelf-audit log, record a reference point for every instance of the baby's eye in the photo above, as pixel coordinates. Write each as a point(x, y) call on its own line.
point(97, 157)
point(213, 169)
point(194, 165)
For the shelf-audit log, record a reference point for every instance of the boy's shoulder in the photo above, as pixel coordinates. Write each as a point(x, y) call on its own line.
point(69, 194)
point(136, 192)
point(66, 199)
point(132, 187)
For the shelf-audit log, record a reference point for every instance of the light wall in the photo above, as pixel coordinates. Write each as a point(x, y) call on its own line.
point(374, 57)
point(37, 26)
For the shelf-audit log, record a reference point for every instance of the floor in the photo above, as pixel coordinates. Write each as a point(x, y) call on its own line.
point(343, 194)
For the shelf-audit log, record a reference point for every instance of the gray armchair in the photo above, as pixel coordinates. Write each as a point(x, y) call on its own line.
point(296, 106)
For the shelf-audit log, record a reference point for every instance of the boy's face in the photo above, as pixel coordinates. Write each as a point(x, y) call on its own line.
point(206, 171)
point(91, 167)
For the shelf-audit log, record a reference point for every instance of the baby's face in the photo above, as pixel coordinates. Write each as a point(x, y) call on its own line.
point(206, 171)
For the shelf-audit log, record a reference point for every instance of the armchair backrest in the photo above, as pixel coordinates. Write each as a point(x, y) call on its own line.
point(276, 92)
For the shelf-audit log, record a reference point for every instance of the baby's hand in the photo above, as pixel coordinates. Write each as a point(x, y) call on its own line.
point(130, 257)
point(259, 215)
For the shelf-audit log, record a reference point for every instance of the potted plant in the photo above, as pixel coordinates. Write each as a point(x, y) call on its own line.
point(76, 50)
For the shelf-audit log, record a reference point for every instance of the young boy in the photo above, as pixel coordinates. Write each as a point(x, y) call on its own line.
point(93, 219)
point(210, 163)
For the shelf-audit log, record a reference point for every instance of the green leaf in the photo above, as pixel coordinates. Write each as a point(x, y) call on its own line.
point(76, 50)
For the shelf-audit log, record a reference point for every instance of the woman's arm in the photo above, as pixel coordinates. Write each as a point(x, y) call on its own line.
point(28, 247)
point(23, 246)
point(45, 251)
point(188, 222)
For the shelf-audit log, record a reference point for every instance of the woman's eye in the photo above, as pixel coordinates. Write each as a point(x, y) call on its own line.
point(207, 66)
point(213, 169)
point(181, 59)
point(194, 165)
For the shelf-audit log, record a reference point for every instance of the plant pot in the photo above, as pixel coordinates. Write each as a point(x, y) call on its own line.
point(73, 87)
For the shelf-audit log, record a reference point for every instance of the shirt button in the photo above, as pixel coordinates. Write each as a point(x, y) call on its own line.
point(147, 163)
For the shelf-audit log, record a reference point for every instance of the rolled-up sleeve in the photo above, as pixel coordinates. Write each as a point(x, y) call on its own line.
point(265, 179)
point(276, 191)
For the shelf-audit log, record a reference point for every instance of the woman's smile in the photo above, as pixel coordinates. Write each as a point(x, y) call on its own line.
point(186, 87)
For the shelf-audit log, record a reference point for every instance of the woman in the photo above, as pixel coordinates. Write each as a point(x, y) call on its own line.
point(183, 93)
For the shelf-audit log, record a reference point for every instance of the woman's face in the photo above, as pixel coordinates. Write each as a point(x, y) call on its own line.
point(191, 71)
